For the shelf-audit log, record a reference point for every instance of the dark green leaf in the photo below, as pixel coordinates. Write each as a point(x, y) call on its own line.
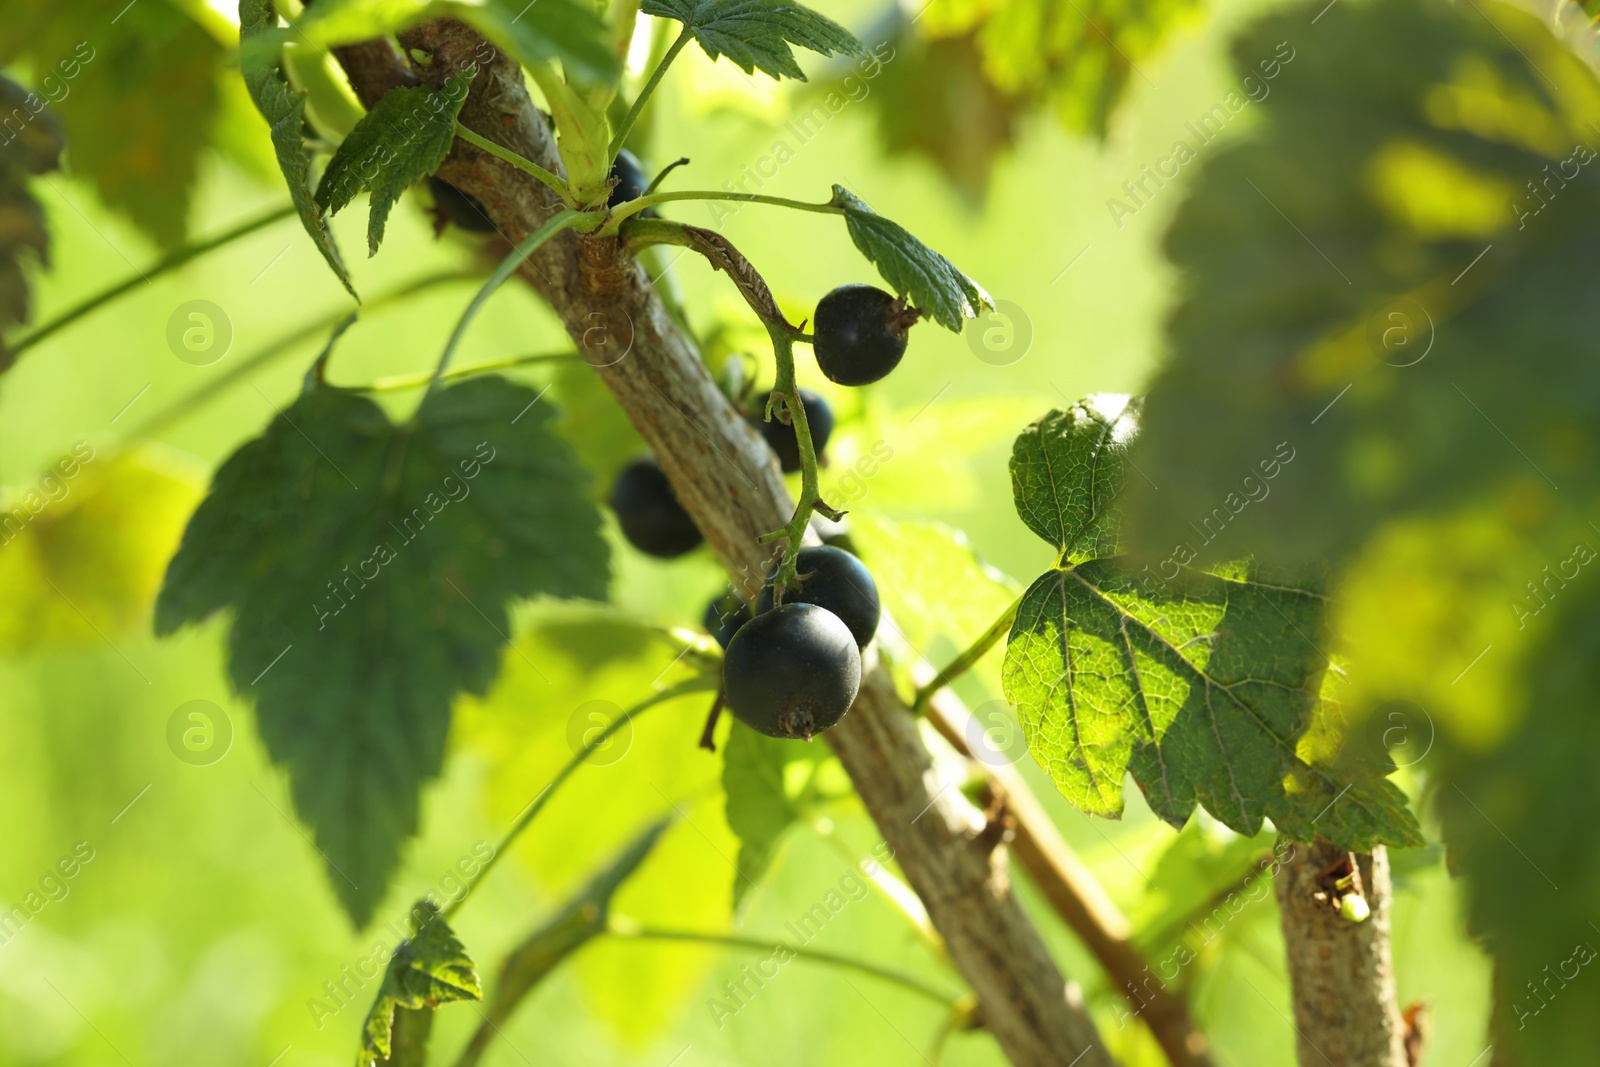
point(911, 268)
point(1387, 284)
point(1201, 683)
point(284, 109)
point(370, 568)
point(430, 969)
point(756, 34)
point(402, 140)
point(759, 808)
point(35, 149)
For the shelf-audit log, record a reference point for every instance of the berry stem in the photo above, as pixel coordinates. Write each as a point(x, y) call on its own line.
point(527, 166)
point(968, 659)
point(171, 261)
point(786, 391)
point(561, 220)
point(698, 684)
point(649, 87)
point(620, 927)
point(623, 211)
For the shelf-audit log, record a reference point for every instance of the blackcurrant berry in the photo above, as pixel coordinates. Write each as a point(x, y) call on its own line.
point(781, 436)
point(792, 672)
point(860, 334)
point(460, 208)
point(832, 578)
point(648, 510)
point(631, 182)
point(724, 617)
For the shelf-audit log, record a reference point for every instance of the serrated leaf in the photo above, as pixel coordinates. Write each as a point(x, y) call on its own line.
point(756, 34)
point(1396, 306)
point(759, 807)
point(429, 969)
point(402, 140)
point(34, 149)
point(1199, 683)
point(912, 269)
point(1067, 471)
point(370, 568)
point(569, 31)
point(83, 547)
point(284, 109)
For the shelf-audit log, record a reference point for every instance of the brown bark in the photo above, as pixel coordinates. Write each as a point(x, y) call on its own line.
point(1078, 898)
point(729, 482)
point(1340, 972)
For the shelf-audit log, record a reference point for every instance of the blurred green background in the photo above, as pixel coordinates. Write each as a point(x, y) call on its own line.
point(203, 931)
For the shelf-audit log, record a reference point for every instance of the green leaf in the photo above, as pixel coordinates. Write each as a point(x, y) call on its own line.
point(756, 34)
point(1373, 287)
point(370, 568)
point(402, 140)
point(568, 31)
point(1067, 471)
point(760, 808)
point(911, 268)
point(1200, 683)
point(36, 149)
point(429, 969)
point(585, 916)
point(284, 109)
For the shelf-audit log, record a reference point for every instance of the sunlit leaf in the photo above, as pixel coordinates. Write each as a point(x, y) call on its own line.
point(429, 969)
point(1199, 682)
point(760, 806)
point(370, 568)
point(912, 269)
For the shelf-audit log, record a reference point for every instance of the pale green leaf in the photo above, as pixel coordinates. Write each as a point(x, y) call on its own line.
point(401, 141)
point(913, 270)
point(370, 568)
point(756, 34)
point(1067, 471)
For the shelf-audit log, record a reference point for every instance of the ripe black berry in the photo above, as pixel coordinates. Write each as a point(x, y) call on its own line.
point(648, 510)
point(792, 672)
point(631, 182)
point(460, 208)
point(781, 436)
point(860, 334)
point(725, 616)
point(832, 578)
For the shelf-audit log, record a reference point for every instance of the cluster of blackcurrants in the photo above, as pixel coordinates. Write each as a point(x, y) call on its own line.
point(793, 669)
